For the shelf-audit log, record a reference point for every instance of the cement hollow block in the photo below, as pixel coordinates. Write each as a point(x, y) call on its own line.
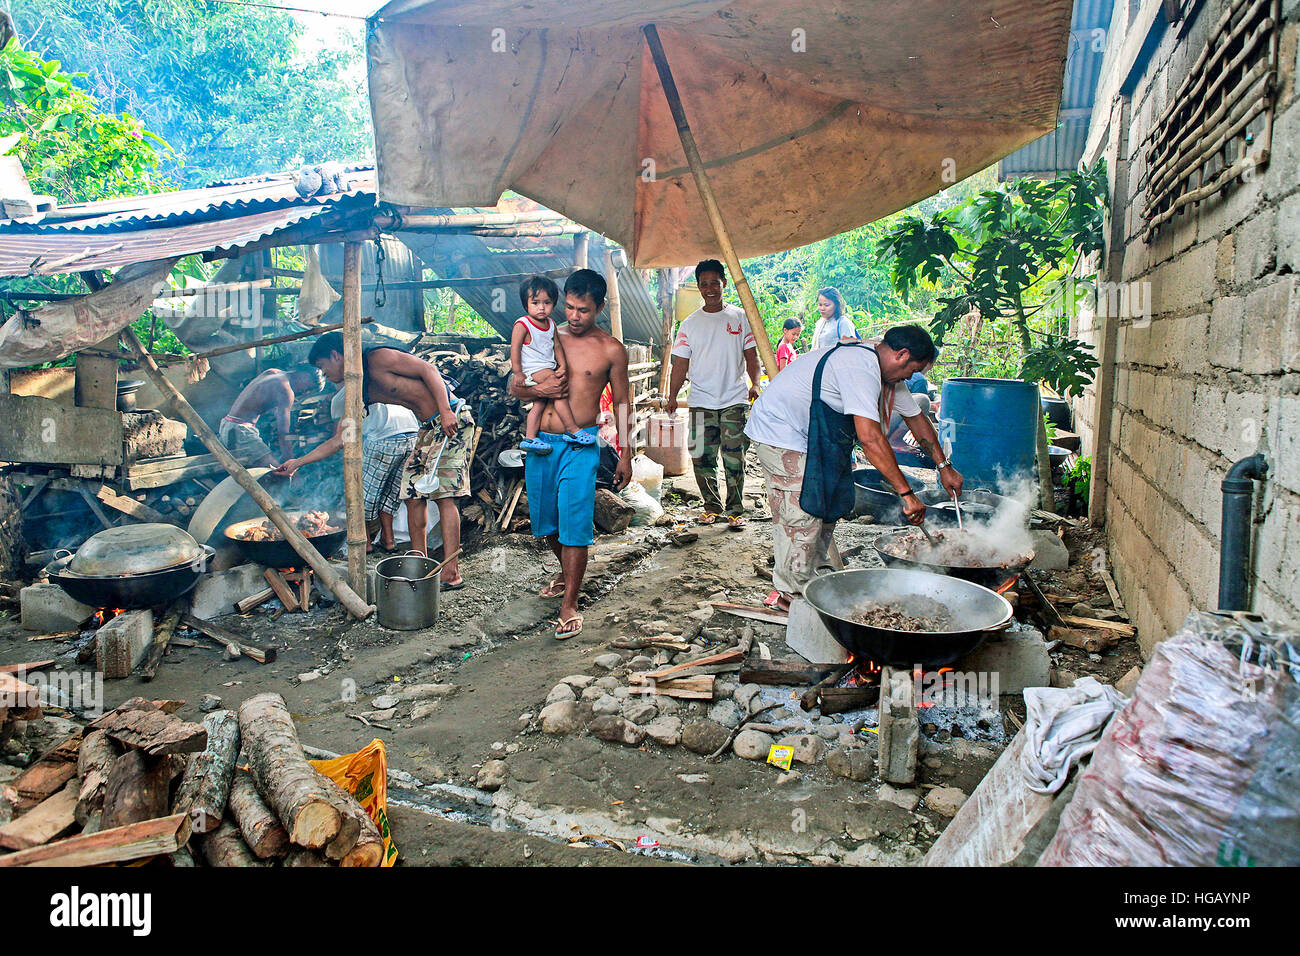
point(1019, 658)
point(217, 591)
point(121, 643)
point(50, 609)
point(810, 638)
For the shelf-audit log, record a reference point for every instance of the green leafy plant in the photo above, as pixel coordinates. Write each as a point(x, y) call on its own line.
point(1004, 259)
point(1078, 478)
point(1050, 427)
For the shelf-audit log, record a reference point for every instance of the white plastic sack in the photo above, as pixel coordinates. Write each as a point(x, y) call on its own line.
point(316, 295)
point(1062, 726)
point(646, 508)
point(649, 475)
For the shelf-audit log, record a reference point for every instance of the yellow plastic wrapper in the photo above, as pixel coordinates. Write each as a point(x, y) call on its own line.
point(364, 774)
point(779, 756)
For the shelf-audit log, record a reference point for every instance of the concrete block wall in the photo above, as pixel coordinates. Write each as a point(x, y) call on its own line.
point(1214, 375)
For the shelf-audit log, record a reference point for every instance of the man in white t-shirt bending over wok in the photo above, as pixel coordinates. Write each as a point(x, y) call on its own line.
point(804, 441)
point(716, 347)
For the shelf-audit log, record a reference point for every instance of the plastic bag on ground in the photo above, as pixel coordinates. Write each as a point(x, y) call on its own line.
point(364, 774)
point(1202, 766)
point(646, 508)
point(649, 475)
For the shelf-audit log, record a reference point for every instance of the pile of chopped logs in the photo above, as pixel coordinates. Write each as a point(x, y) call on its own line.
point(140, 783)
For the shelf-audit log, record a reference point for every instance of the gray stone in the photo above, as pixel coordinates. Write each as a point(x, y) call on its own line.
point(579, 681)
point(561, 692)
point(752, 744)
point(209, 702)
point(607, 662)
point(640, 711)
point(945, 801)
point(50, 609)
point(745, 693)
point(621, 693)
point(665, 730)
point(607, 683)
point(491, 776)
point(667, 705)
point(617, 730)
point(1049, 553)
point(899, 729)
point(562, 717)
point(727, 713)
point(1019, 658)
point(423, 691)
point(808, 636)
point(724, 690)
point(606, 705)
point(1083, 610)
point(704, 736)
point(807, 747)
point(640, 663)
point(595, 692)
point(906, 798)
point(217, 591)
point(385, 701)
point(854, 763)
point(828, 732)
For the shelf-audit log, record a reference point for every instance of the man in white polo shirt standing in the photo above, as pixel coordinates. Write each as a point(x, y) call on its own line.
point(715, 347)
point(804, 439)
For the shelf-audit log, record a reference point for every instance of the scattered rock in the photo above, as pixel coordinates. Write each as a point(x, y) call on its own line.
point(752, 744)
point(807, 747)
point(595, 692)
point(1062, 678)
point(945, 801)
point(727, 713)
point(607, 662)
point(491, 776)
point(665, 730)
point(209, 702)
point(855, 763)
point(1083, 610)
point(724, 690)
point(384, 702)
point(309, 676)
point(617, 730)
point(561, 692)
point(562, 717)
point(424, 709)
point(828, 732)
point(607, 683)
point(641, 663)
point(422, 691)
point(693, 777)
point(606, 705)
point(579, 681)
point(704, 736)
point(905, 798)
point(746, 693)
point(621, 693)
point(640, 711)
point(1049, 553)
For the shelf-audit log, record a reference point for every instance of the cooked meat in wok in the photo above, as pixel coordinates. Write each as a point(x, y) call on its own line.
point(873, 614)
point(953, 548)
point(312, 524)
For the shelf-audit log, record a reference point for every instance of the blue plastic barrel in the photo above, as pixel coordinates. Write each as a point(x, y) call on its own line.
point(989, 426)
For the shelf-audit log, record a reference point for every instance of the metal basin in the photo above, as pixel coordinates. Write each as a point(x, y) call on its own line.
point(978, 611)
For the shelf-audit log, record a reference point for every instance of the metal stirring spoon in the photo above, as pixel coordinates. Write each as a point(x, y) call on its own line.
point(956, 504)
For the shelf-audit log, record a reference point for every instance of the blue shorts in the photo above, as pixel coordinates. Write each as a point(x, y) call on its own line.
point(562, 490)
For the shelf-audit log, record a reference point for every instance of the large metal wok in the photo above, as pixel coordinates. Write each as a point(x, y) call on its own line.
point(136, 590)
point(280, 554)
point(978, 611)
point(892, 550)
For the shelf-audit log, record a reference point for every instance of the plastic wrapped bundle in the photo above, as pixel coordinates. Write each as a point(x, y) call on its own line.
point(1202, 766)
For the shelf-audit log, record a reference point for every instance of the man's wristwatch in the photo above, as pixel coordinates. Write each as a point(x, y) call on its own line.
point(946, 463)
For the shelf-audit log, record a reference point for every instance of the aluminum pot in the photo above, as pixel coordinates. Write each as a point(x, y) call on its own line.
point(405, 599)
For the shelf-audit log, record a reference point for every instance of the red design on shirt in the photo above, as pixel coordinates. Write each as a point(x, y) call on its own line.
point(736, 331)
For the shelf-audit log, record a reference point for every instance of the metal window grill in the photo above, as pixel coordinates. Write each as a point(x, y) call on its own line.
point(1218, 126)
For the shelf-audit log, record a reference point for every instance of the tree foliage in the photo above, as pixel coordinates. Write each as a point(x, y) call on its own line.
point(1003, 260)
point(230, 87)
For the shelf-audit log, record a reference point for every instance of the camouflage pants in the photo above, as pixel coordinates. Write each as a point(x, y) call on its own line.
point(803, 545)
point(714, 431)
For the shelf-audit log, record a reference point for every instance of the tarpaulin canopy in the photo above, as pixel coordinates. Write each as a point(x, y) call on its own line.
point(811, 119)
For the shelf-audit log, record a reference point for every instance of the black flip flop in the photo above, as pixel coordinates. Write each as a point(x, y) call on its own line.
point(452, 587)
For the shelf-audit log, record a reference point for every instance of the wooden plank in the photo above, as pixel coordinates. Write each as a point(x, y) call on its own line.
point(786, 673)
point(21, 699)
point(1112, 590)
point(51, 818)
point(254, 600)
point(161, 638)
point(1089, 641)
point(768, 615)
point(689, 688)
point(120, 845)
point(56, 636)
point(282, 589)
point(152, 731)
point(1127, 629)
point(47, 775)
point(261, 653)
point(24, 668)
point(725, 657)
point(128, 506)
point(159, 472)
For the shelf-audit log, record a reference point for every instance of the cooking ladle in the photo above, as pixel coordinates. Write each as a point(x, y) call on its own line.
point(428, 483)
point(957, 504)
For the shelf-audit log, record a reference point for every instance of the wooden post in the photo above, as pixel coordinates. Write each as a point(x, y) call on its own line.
point(710, 201)
point(352, 412)
point(611, 283)
point(580, 250)
point(328, 576)
point(667, 284)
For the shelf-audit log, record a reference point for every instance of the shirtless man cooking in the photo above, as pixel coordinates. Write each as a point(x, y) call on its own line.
point(562, 485)
point(273, 392)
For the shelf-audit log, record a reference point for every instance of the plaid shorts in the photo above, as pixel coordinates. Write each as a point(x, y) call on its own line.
point(453, 467)
point(381, 473)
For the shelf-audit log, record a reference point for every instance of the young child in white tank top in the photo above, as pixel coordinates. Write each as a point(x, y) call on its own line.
point(536, 356)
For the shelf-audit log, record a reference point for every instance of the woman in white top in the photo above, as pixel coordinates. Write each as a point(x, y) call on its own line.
point(833, 324)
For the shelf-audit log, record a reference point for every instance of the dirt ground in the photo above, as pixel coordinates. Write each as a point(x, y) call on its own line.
point(494, 644)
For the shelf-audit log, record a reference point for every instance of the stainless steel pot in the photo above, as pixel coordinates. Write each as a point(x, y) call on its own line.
point(405, 599)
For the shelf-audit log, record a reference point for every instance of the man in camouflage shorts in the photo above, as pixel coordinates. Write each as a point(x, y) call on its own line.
point(718, 432)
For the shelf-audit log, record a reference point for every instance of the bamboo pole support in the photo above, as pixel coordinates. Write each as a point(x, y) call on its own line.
point(352, 412)
point(328, 576)
point(709, 200)
point(611, 283)
point(667, 282)
point(579, 251)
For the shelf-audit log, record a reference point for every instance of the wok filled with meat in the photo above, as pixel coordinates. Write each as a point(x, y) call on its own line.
point(262, 542)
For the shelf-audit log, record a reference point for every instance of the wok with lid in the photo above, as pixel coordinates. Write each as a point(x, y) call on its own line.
point(134, 566)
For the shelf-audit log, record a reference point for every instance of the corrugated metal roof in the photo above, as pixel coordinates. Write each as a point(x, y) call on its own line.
point(1061, 149)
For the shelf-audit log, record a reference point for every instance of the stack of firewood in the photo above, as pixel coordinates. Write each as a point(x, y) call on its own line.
point(140, 783)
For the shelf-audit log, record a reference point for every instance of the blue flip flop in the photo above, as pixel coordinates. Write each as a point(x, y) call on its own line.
point(536, 446)
point(580, 438)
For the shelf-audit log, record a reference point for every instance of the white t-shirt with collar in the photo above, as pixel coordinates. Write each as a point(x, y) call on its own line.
point(380, 420)
point(850, 385)
point(716, 343)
